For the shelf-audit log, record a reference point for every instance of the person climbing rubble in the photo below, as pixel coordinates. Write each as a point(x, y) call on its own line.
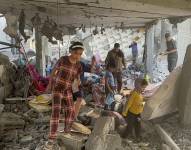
point(117, 56)
point(171, 52)
point(133, 109)
point(110, 87)
point(67, 69)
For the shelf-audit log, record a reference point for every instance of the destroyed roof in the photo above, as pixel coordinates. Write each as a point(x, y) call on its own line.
point(108, 12)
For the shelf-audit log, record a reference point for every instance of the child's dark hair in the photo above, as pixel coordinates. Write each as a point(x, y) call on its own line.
point(144, 82)
point(75, 46)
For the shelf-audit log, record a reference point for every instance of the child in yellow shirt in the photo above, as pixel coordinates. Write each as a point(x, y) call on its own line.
point(134, 108)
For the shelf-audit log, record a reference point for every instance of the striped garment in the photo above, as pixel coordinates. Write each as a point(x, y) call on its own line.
point(62, 78)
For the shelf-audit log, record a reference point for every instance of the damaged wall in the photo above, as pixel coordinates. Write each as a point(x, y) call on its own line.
point(102, 43)
point(156, 64)
point(183, 39)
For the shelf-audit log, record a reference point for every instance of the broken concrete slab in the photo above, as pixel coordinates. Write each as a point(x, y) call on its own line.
point(165, 147)
point(166, 138)
point(104, 125)
point(1, 108)
point(5, 91)
point(44, 120)
point(97, 139)
point(26, 139)
point(116, 142)
point(164, 100)
point(11, 121)
point(75, 142)
point(81, 128)
point(4, 60)
point(184, 92)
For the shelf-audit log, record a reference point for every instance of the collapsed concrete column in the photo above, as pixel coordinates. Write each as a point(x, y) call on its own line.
point(150, 49)
point(41, 44)
point(165, 27)
point(184, 98)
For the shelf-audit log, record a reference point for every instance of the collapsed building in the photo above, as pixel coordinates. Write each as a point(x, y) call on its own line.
point(25, 112)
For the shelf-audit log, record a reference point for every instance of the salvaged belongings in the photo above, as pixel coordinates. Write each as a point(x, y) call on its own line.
point(41, 103)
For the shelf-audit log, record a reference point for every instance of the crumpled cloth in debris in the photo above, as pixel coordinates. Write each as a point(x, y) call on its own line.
point(41, 103)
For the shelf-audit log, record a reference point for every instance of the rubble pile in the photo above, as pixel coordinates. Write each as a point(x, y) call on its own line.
point(25, 125)
point(7, 77)
point(181, 136)
point(29, 130)
point(160, 71)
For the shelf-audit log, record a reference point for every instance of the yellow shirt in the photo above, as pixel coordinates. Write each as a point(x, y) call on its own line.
point(135, 104)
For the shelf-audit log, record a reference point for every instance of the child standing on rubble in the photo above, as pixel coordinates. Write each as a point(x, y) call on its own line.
point(110, 86)
point(134, 108)
point(66, 70)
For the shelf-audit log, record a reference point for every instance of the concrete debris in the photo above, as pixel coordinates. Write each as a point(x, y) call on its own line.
point(26, 139)
point(97, 140)
point(165, 147)
point(181, 136)
point(81, 128)
point(116, 142)
point(185, 90)
point(94, 114)
point(44, 120)
point(160, 71)
point(11, 121)
point(4, 59)
point(6, 77)
point(164, 100)
point(103, 133)
point(1, 108)
point(5, 91)
point(73, 142)
point(166, 138)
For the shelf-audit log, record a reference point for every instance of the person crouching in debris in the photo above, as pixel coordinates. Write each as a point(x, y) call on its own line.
point(133, 109)
point(110, 86)
point(63, 75)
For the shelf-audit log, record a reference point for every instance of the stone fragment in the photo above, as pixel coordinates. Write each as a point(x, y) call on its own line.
point(184, 91)
point(1, 108)
point(11, 121)
point(97, 140)
point(26, 139)
point(165, 147)
point(74, 142)
point(164, 100)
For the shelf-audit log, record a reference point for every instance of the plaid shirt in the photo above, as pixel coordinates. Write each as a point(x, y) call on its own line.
point(64, 74)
